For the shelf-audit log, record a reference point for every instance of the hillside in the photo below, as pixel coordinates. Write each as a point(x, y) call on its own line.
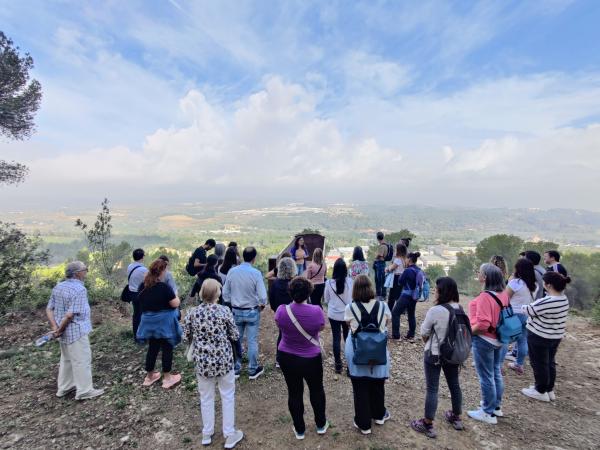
point(128, 416)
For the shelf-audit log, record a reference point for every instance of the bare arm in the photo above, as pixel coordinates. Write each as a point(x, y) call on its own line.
point(175, 302)
point(66, 320)
point(51, 319)
point(198, 264)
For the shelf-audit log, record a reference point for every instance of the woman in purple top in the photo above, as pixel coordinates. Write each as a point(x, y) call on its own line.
point(299, 355)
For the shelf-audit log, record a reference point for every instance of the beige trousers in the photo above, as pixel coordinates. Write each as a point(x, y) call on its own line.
point(75, 370)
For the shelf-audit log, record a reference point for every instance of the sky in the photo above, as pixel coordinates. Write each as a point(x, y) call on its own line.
point(441, 103)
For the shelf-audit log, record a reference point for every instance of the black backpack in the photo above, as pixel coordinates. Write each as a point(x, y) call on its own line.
point(390, 252)
point(189, 267)
point(455, 348)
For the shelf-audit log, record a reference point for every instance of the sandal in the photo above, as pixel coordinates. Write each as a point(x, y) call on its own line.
point(173, 381)
point(151, 378)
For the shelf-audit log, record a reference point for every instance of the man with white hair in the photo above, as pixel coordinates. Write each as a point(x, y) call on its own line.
point(68, 312)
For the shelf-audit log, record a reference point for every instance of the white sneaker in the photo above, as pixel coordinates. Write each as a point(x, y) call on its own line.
point(551, 396)
point(90, 394)
point(387, 416)
point(299, 436)
point(206, 439)
point(324, 429)
point(510, 357)
point(482, 416)
point(497, 412)
point(533, 393)
point(361, 430)
point(233, 439)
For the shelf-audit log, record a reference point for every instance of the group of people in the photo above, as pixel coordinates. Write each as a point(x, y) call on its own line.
point(232, 295)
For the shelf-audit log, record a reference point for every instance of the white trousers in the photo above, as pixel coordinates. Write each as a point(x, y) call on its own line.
point(206, 389)
point(75, 368)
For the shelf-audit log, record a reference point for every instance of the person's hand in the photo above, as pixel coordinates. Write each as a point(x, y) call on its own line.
point(56, 333)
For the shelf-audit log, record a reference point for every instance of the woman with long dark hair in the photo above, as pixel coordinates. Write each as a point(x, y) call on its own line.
point(433, 331)
point(299, 254)
point(230, 260)
point(358, 266)
point(338, 294)
point(159, 325)
point(522, 289)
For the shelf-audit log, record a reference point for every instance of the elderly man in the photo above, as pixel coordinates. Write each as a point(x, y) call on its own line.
point(68, 312)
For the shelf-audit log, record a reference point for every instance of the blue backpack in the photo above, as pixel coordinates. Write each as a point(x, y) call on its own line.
point(369, 342)
point(509, 327)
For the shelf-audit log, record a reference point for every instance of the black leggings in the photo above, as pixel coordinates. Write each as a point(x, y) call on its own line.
point(369, 400)
point(317, 294)
point(154, 346)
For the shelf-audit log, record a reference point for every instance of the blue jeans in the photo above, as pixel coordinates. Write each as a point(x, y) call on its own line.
point(379, 267)
point(248, 323)
point(300, 268)
point(521, 345)
point(402, 305)
point(488, 363)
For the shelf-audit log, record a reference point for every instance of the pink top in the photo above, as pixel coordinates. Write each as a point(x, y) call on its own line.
point(316, 273)
point(484, 312)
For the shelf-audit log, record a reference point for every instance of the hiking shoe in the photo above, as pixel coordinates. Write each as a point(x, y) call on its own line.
point(299, 436)
point(551, 396)
point(420, 426)
point(454, 420)
point(338, 368)
point(387, 416)
point(277, 366)
point(516, 367)
point(207, 439)
point(360, 429)
point(257, 373)
point(232, 440)
point(323, 429)
point(482, 416)
point(533, 393)
point(90, 394)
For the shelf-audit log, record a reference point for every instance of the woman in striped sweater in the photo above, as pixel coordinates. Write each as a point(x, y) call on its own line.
point(547, 318)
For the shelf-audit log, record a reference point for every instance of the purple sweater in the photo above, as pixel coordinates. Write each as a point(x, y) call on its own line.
point(311, 318)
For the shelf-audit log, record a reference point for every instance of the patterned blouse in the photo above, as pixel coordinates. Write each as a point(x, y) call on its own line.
point(211, 326)
point(358, 268)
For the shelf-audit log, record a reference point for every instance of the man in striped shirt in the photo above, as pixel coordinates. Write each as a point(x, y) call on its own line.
point(547, 319)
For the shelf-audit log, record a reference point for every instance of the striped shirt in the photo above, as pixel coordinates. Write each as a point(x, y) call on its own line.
point(548, 316)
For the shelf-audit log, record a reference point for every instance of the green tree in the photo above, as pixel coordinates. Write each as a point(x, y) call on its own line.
point(464, 273)
point(505, 245)
point(540, 247)
point(20, 98)
point(434, 272)
point(393, 239)
point(19, 255)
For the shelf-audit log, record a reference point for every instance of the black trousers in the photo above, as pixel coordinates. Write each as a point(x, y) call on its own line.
point(295, 370)
point(154, 346)
point(136, 318)
point(542, 353)
point(337, 329)
point(317, 294)
point(369, 400)
point(394, 293)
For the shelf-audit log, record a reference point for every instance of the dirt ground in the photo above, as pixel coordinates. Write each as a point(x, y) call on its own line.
point(130, 416)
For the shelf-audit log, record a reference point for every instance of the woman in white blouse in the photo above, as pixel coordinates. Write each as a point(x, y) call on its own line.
point(338, 294)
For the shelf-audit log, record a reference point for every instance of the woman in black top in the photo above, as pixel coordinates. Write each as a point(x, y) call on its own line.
point(209, 272)
point(159, 325)
point(278, 292)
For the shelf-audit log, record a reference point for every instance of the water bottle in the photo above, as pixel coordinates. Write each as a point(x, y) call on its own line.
point(44, 339)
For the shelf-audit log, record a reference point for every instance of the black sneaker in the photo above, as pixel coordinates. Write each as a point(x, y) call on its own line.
point(257, 373)
point(338, 368)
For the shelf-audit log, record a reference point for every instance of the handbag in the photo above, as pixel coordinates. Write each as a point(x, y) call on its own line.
point(303, 332)
point(126, 294)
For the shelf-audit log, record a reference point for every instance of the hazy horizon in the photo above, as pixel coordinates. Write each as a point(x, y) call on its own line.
point(485, 105)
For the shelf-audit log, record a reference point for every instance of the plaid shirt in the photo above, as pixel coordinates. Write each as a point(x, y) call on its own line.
point(71, 296)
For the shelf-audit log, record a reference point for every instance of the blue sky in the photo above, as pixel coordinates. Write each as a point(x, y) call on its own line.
point(472, 103)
